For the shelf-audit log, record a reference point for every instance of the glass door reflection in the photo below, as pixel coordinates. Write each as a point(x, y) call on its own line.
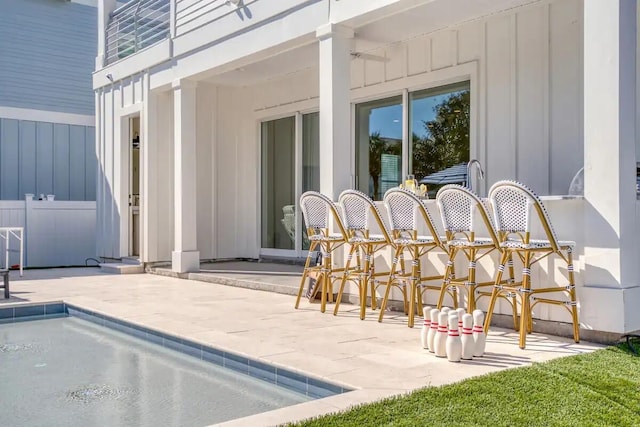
point(379, 146)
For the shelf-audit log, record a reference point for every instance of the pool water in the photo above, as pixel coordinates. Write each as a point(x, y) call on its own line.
point(70, 372)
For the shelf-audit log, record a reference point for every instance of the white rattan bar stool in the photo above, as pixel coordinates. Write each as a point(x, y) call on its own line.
point(357, 208)
point(514, 207)
point(406, 214)
point(320, 214)
point(460, 208)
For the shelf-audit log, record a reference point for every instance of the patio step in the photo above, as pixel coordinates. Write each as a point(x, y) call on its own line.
point(122, 268)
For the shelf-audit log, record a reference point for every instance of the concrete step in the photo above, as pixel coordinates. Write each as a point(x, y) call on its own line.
point(131, 260)
point(121, 268)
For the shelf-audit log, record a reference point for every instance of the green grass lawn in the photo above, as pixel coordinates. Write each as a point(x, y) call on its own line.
point(600, 388)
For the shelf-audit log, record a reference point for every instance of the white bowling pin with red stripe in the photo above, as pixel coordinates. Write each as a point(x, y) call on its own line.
point(440, 341)
point(426, 326)
point(433, 330)
point(460, 312)
point(453, 344)
point(479, 337)
point(466, 338)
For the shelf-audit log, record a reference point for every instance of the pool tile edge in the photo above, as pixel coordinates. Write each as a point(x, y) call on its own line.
point(310, 386)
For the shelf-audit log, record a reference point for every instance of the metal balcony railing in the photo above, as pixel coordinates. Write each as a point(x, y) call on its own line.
point(135, 26)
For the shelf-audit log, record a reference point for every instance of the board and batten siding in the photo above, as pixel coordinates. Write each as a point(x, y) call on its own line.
point(529, 114)
point(114, 105)
point(47, 158)
point(47, 55)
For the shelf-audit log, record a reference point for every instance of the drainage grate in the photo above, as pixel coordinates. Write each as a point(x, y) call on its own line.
point(97, 392)
point(12, 348)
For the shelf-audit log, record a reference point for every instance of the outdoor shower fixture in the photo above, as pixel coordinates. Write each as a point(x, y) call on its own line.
point(480, 173)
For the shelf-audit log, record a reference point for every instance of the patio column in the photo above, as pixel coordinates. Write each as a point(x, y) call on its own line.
point(185, 256)
point(611, 257)
point(335, 109)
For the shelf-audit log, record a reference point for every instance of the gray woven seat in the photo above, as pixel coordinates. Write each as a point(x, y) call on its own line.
point(478, 242)
point(515, 208)
point(321, 238)
point(536, 244)
point(370, 239)
point(418, 241)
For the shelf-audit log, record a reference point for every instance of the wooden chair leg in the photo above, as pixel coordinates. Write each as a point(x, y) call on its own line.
point(413, 285)
point(392, 272)
point(364, 284)
point(471, 286)
point(326, 279)
point(305, 272)
point(446, 278)
point(573, 300)
point(525, 310)
point(514, 300)
point(495, 292)
point(372, 281)
point(344, 280)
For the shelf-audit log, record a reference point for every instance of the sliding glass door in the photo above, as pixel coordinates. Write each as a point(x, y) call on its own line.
point(289, 166)
point(278, 178)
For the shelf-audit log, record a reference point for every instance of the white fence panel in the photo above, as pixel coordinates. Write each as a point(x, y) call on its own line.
point(12, 214)
point(57, 233)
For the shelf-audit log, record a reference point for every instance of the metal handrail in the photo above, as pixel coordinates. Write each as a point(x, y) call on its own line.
point(135, 26)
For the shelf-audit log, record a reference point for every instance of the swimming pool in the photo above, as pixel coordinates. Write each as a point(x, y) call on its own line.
point(78, 371)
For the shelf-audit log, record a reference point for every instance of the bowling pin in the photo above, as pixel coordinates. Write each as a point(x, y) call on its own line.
point(426, 326)
point(466, 338)
point(479, 338)
point(461, 312)
point(440, 340)
point(433, 330)
point(453, 344)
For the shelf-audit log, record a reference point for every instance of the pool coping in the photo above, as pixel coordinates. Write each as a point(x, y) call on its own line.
point(307, 385)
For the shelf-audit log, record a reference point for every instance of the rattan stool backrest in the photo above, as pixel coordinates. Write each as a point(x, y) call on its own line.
point(406, 210)
point(513, 206)
point(319, 212)
point(458, 206)
point(356, 208)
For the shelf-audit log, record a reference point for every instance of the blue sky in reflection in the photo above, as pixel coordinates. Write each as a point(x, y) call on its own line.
point(388, 120)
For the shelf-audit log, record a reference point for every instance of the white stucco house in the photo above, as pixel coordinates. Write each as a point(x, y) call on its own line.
point(242, 105)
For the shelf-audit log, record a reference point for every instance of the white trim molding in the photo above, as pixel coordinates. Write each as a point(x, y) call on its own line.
point(46, 116)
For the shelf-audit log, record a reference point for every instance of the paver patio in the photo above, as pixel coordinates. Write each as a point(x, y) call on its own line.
point(376, 359)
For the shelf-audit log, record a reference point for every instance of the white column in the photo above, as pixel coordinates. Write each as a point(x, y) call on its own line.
point(335, 109)
point(185, 256)
point(611, 255)
point(105, 7)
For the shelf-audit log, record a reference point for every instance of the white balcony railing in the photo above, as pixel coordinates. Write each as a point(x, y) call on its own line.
point(136, 25)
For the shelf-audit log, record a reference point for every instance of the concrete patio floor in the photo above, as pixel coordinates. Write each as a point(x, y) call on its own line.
point(376, 359)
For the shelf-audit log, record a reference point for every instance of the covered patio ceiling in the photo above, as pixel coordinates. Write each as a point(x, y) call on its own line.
point(371, 33)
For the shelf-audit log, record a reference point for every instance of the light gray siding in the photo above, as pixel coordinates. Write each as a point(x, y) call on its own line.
point(47, 158)
point(47, 55)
